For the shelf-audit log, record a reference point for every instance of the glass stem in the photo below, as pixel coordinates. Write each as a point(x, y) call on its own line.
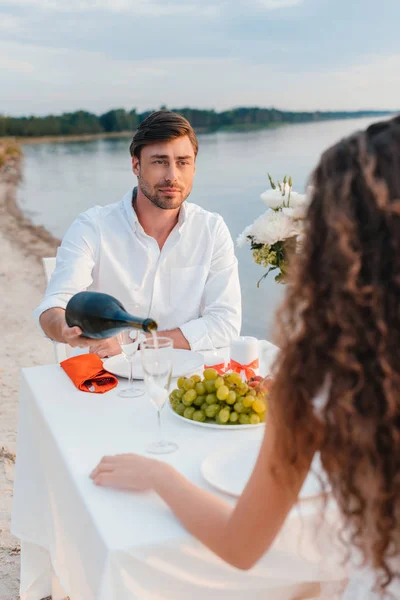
point(159, 425)
point(131, 372)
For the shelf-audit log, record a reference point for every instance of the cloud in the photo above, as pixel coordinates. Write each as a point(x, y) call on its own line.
point(42, 82)
point(10, 24)
point(296, 54)
point(275, 4)
point(143, 7)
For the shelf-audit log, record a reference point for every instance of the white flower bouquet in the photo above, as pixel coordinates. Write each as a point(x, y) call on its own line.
point(275, 234)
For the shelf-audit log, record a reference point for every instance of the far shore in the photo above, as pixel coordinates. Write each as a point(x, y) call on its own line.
point(84, 137)
point(88, 137)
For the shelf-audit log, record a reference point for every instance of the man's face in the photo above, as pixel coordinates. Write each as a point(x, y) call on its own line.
point(165, 171)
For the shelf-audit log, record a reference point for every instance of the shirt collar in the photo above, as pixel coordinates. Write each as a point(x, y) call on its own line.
point(132, 216)
point(129, 210)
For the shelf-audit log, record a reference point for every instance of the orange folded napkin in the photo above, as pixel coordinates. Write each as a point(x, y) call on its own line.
point(87, 374)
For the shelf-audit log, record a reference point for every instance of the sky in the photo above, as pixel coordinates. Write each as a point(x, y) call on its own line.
point(65, 55)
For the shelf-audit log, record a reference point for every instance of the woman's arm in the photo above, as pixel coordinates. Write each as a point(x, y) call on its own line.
point(240, 536)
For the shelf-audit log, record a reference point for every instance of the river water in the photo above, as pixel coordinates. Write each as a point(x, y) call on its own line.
point(63, 179)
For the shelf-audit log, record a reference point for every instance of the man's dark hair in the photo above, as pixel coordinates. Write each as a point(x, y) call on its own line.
point(162, 126)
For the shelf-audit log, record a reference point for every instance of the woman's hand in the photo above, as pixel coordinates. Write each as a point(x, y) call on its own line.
point(129, 472)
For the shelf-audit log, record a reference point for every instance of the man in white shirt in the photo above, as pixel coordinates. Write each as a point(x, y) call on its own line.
point(157, 254)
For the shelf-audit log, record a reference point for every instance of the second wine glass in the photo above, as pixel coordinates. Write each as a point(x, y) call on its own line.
point(157, 363)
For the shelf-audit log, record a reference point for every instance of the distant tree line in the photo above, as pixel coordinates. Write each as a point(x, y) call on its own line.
point(120, 120)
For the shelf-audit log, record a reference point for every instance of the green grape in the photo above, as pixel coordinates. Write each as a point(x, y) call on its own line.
point(218, 421)
point(188, 413)
point(233, 378)
point(244, 419)
point(224, 415)
point(252, 392)
point(211, 398)
point(196, 378)
point(259, 406)
point(199, 415)
point(238, 407)
point(233, 417)
point(218, 382)
point(210, 374)
point(232, 397)
point(180, 383)
point(243, 388)
point(199, 400)
point(189, 397)
point(210, 386)
point(248, 401)
point(212, 410)
point(204, 407)
point(180, 408)
point(188, 384)
point(222, 392)
point(176, 394)
point(200, 389)
point(255, 419)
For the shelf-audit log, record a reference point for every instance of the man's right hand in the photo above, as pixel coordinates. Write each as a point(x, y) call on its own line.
point(56, 328)
point(73, 337)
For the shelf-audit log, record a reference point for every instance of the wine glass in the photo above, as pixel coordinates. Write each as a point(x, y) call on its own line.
point(156, 356)
point(129, 340)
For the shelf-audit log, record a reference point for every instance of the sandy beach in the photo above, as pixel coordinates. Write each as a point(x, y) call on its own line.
point(22, 282)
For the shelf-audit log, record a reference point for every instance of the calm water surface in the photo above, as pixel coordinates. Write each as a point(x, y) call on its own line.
point(63, 179)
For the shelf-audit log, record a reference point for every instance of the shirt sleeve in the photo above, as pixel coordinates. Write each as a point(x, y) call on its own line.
point(221, 312)
point(74, 264)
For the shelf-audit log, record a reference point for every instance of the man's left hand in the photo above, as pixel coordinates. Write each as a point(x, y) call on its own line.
point(104, 348)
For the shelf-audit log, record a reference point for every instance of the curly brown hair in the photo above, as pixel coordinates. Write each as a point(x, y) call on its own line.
point(339, 334)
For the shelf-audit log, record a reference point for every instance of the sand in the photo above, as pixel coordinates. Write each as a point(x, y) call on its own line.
point(22, 284)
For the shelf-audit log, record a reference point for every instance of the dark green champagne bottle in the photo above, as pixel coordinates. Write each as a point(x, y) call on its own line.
point(102, 316)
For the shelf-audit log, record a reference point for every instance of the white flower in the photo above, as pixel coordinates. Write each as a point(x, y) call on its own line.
point(273, 227)
point(241, 240)
point(298, 206)
point(295, 213)
point(297, 200)
point(273, 198)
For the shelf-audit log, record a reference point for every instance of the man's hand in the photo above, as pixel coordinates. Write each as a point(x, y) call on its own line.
point(176, 336)
point(56, 328)
point(103, 348)
point(73, 336)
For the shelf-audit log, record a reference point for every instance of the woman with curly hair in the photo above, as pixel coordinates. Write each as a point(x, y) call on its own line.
point(337, 379)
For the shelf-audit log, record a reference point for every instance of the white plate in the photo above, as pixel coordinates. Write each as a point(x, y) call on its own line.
point(229, 471)
point(184, 362)
point(212, 425)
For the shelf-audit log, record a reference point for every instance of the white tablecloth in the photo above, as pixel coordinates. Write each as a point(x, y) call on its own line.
point(109, 545)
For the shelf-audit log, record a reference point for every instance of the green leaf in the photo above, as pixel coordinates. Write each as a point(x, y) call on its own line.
point(271, 182)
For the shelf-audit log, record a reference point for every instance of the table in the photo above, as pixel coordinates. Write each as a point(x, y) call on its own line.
point(100, 544)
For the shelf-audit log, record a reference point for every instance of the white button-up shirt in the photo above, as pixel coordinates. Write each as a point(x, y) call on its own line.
point(192, 283)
